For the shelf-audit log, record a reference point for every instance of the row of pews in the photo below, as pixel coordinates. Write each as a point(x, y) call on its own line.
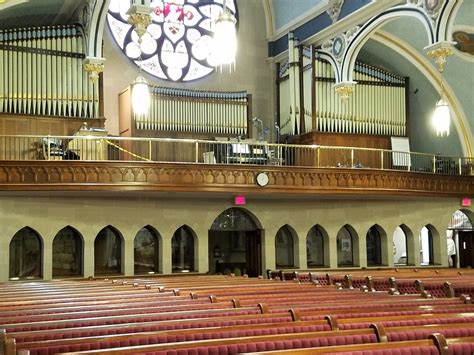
point(297, 312)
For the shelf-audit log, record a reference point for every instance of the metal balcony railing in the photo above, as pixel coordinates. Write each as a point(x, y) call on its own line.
point(167, 150)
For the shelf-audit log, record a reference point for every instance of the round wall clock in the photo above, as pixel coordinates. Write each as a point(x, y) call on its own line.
point(262, 179)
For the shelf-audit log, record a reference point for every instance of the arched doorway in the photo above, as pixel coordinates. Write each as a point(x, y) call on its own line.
point(182, 248)
point(284, 248)
point(67, 253)
point(26, 254)
point(316, 242)
point(426, 246)
point(347, 246)
point(460, 239)
point(400, 246)
point(146, 246)
point(373, 243)
point(108, 252)
point(235, 244)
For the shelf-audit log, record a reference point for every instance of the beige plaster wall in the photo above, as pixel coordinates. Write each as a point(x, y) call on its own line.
point(127, 213)
point(253, 74)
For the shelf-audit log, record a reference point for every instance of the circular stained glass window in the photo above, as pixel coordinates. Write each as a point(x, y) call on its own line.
point(178, 45)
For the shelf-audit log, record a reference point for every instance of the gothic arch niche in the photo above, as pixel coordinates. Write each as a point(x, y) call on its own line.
point(183, 250)
point(429, 238)
point(376, 246)
point(26, 255)
point(68, 253)
point(285, 241)
point(108, 252)
point(235, 243)
point(317, 251)
point(347, 242)
point(402, 240)
point(147, 246)
point(460, 239)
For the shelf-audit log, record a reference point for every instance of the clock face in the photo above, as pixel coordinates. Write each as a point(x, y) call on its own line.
point(262, 179)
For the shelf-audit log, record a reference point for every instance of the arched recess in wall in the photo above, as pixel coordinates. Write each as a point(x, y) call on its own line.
point(403, 254)
point(26, 255)
point(429, 242)
point(317, 247)
point(235, 243)
point(286, 243)
point(376, 246)
point(108, 252)
point(460, 239)
point(68, 246)
point(183, 251)
point(146, 251)
point(347, 242)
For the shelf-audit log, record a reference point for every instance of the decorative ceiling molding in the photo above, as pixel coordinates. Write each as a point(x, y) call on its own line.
point(355, 19)
point(437, 80)
point(334, 9)
point(300, 20)
point(269, 17)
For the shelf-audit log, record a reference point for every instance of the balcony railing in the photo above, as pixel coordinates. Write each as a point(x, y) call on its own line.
point(165, 150)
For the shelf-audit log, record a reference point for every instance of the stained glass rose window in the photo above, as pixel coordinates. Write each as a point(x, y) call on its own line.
point(178, 45)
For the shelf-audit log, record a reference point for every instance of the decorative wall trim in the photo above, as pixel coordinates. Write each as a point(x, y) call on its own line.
point(128, 176)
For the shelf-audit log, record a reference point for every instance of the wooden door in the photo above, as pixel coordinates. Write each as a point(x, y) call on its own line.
point(254, 253)
point(466, 249)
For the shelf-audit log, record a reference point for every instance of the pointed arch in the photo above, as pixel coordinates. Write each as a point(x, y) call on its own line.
point(372, 25)
point(460, 239)
point(402, 242)
point(68, 251)
point(376, 246)
point(108, 252)
point(183, 252)
point(317, 251)
point(146, 251)
point(285, 247)
point(347, 242)
point(235, 243)
point(429, 245)
point(236, 218)
point(26, 254)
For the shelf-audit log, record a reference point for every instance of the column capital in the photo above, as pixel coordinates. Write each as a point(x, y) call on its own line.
point(94, 66)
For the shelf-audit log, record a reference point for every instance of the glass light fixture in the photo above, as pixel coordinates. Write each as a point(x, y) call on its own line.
point(442, 116)
point(225, 39)
point(140, 19)
point(140, 96)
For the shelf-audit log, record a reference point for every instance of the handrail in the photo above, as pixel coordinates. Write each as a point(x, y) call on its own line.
point(93, 146)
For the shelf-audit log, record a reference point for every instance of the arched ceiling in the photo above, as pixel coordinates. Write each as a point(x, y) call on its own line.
point(458, 76)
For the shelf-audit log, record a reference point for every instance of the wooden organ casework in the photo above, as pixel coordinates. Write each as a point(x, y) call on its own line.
point(43, 87)
point(375, 111)
point(182, 113)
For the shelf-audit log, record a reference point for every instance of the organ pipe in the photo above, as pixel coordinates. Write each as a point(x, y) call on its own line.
point(377, 106)
point(184, 110)
point(41, 73)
